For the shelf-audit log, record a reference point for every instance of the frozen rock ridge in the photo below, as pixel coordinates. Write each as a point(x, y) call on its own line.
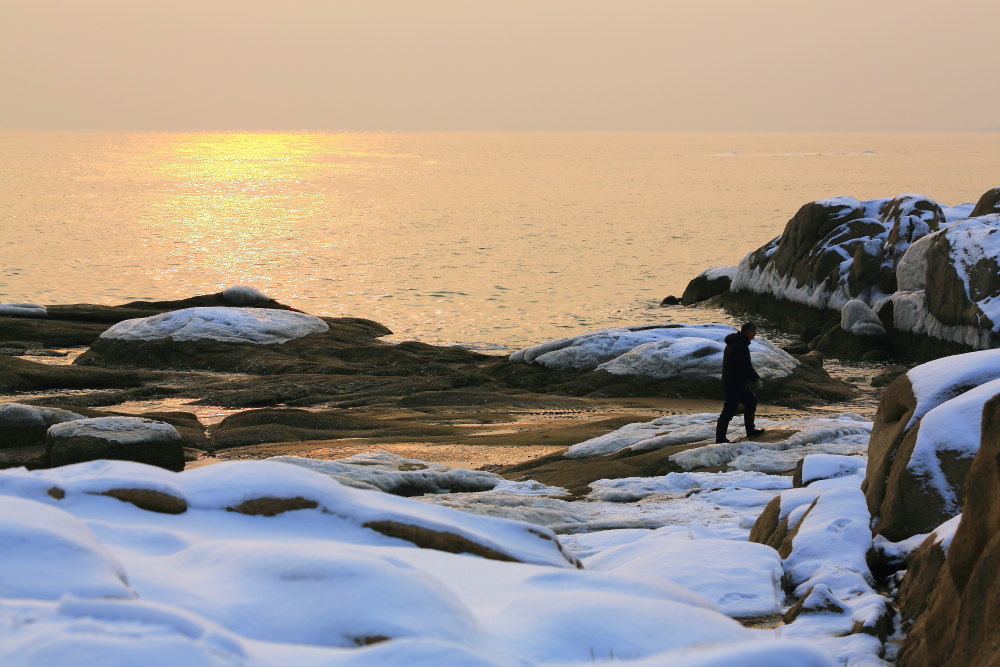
point(260, 326)
point(929, 274)
point(664, 351)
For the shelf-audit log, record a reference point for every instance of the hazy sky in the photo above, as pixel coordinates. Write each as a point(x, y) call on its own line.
point(500, 64)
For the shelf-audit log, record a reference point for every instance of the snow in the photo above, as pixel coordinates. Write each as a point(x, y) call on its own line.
point(262, 326)
point(953, 427)
point(945, 533)
point(125, 430)
point(19, 309)
point(241, 295)
point(716, 272)
point(972, 241)
point(58, 555)
point(119, 585)
point(942, 379)
point(858, 318)
point(658, 351)
point(706, 567)
point(828, 466)
point(832, 544)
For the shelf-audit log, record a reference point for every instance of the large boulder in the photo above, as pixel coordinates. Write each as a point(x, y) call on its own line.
point(926, 433)
point(958, 622)
point(118, 438)
point(936, 266)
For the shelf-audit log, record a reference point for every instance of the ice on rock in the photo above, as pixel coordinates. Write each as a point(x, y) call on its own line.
point(658, 351)
point(858, 318)
point(23, 310)
point(395, 474)
point(847, 433)
point(630, 489)
point(844, 435)
point(241, 295)
point(261, 326)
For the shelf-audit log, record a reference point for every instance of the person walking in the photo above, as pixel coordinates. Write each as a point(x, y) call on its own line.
point(737, 375)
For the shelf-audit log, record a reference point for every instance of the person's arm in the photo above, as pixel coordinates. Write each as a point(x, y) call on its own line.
point(747, 367)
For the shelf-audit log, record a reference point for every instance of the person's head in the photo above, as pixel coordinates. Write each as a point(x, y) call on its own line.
point(749, 330)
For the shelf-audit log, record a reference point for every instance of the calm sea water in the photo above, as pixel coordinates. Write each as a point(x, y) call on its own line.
point(474, 238)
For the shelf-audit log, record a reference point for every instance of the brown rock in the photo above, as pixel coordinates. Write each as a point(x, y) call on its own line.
point(437, 540)
point(988, 203)
point(149, 500)
point(960, 624)
point(922, 569)
point(271, 505)
point(894, 412)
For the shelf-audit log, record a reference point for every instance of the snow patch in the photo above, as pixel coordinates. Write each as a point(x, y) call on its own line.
point(241, 295)
point(23, 310)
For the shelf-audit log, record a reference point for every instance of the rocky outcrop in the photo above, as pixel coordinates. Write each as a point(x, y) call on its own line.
point(18, 374)
point(952, 596)
point(117, 438)
point(929, 271)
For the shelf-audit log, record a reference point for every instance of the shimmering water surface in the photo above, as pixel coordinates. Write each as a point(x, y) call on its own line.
point(475, 238)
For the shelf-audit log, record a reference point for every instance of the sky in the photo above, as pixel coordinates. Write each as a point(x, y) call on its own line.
point(397, 65)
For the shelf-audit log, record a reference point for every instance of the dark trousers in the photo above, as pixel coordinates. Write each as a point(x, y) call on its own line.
point(735, 396)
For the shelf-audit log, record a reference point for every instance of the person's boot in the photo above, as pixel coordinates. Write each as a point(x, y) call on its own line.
point(754, 432)
point(720, 433)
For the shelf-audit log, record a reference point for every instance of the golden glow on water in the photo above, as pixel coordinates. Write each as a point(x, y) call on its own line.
point(480, 237)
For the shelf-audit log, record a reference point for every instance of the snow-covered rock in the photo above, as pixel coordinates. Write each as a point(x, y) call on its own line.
point(928, 270)
point(22, 425)
point(657, 351)
point(261, 326)
point(121, 438)
point(401, 476)
point(706, 567)
point(926, 433)
point(19, 309)
point(950, 584)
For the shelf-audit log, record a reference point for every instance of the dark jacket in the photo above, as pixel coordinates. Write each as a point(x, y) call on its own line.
point(737, 371)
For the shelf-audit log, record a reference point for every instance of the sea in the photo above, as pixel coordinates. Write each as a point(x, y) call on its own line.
point(493, 241)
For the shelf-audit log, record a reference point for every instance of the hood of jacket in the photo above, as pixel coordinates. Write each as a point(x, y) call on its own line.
point(736, 338)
